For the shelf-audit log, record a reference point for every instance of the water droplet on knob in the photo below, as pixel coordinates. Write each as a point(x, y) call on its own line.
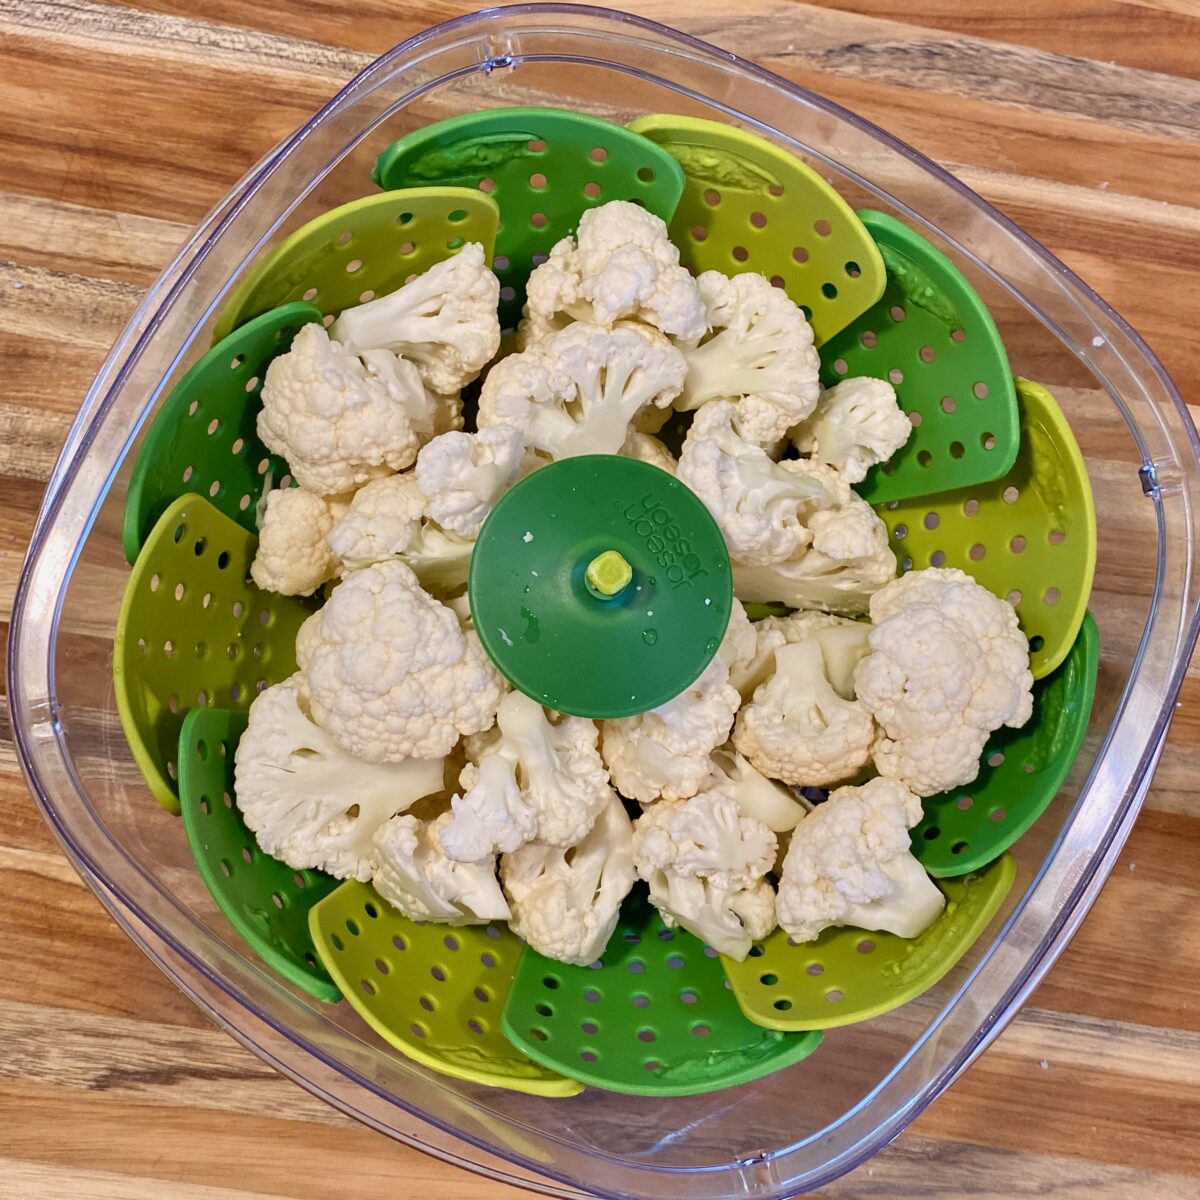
point(649, 636)
point(533, 629)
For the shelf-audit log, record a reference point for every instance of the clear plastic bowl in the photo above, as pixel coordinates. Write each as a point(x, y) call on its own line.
point(798, 1129)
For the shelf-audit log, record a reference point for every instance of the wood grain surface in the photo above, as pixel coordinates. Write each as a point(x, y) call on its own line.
point(120, 125)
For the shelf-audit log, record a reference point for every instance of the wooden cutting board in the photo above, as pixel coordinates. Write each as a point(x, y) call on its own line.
point(1079, 118)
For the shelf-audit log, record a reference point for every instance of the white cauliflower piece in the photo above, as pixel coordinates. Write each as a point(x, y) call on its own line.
point(440, 559)
point(664, 752)
point(749, 646)
point(761, 352)
point(464, 474)
point(293, 557)
point(308, 638)
point(846, 562)
point(843, 644)
point(444, 320)
point(849, 863)
point(391, 672)
point(761, 506)
point(337, 424)
point(309, 803)
point(705, 864)
point(948, 665)
point(540, 781)
point(856, 424)
point(756, 796)
point(797, 729)
point(621, 264)
point(576, 392)
point(388, 519)
point(416, 876)
point(645, 447)
point(739, 650)
point(566, 901)
point(429, 413)
point(380, 522)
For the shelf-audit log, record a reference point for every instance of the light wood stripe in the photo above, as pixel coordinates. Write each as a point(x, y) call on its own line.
point(147, 35)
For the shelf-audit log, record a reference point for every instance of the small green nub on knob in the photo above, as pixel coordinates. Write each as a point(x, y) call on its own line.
point(608, 574)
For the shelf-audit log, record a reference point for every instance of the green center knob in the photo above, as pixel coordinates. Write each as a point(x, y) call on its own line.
point(600, 586)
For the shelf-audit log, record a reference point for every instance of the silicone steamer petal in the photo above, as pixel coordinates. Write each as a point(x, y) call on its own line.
point(1020, 774)
point(264, 900)
point(850, 975)
point(204, 439)
point(192, 632)
point(652, 1018)
point(434, 992)
point(933, 339)
point(748, 205)
point(544, 167)
point(1030, 535)
point(363, 249)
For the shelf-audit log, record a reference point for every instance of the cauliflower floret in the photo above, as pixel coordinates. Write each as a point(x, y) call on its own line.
point(948, 665)
point(705, 864)
point(577, 392)
point(429, 413)
point(337, 424)
point(621, 264)
point(664, 752)
point(541, 780)
point(739, 649)
point(380, 523)
point(416, 877)
point(849, 863)
point(761, 350)
point(391, 672)
point(846, 562)
point(856, 424)
point(464, 474)
point(388, 519)
point(565, 902)
point(843, 644)
point(761, 506)
point(444, 320)
point(441, 559)
point(309, 803)
point(798, 729)
point(293, 557)
point(749, 646)
point(645, 447)
point(756, 796)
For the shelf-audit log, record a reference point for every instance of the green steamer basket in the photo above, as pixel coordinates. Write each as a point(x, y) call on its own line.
point(850, 975)
point(1021, 772)
point(362, 250)
point(654, 1017)
point(689, 1036)
point(264, 900)
point(192, 632)
point(933, 339)
point(1029, 535)
point(204, 440)
point(544, 167)
point(434, 992)
point(748, 205)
